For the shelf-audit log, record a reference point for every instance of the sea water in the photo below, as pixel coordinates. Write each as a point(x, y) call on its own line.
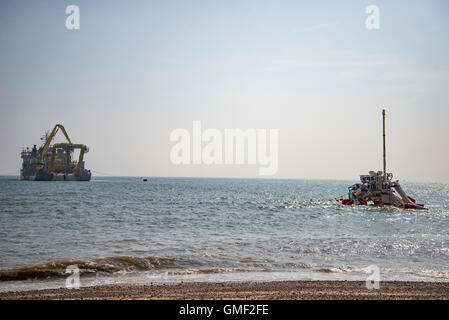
point(125, 230)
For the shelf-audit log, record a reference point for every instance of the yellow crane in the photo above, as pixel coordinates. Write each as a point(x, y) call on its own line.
point(68, 147)
point(40, 164)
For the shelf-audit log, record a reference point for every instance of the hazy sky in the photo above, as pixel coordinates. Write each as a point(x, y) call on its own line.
point(136, 70)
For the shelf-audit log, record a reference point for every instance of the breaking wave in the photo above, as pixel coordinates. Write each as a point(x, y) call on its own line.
point(107, 265)
point(342, 269)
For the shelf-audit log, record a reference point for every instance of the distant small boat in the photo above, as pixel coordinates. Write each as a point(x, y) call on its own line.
point(145, 180)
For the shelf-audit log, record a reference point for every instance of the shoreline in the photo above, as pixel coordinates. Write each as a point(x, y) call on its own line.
point(278, 290)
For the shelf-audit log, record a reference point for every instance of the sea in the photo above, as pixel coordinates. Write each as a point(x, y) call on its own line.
point(123, 230)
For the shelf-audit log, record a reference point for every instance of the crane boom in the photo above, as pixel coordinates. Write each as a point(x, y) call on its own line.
point(50, 138)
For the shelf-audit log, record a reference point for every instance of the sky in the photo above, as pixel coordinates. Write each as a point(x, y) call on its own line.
point(137, 70)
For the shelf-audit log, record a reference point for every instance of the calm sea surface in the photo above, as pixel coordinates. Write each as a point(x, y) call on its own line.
point(124, 230)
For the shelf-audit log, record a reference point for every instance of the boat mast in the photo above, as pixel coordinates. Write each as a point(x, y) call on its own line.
point(385, 161)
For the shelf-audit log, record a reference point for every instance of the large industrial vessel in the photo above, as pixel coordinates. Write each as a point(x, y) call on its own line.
point(53, 162)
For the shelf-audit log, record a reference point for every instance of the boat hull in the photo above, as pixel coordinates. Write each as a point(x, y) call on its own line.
point(45, 176)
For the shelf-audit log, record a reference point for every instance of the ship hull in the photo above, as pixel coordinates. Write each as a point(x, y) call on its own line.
point(45, 176)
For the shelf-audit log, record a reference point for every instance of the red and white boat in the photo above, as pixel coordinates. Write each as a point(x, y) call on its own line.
point(377, 188)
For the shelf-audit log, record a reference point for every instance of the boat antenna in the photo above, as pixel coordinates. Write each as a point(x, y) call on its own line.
point(383, 129)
